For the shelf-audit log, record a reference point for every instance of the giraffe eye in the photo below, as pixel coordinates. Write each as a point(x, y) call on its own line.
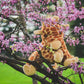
point(45, 35)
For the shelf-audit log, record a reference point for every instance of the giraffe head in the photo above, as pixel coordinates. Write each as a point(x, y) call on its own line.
point(50, 33)
point(49, 28)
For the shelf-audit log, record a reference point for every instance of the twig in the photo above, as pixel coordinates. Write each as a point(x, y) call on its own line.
point(40, 79)
point(70, 75)
point(80, 78)
point(66, 79)
point(63, 68)
point(9, 19)
point(22, 23)
point(9, 35)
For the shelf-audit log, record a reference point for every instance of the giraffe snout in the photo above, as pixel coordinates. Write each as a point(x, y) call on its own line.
point(37, 32)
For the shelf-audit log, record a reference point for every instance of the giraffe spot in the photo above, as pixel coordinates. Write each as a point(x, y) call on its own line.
point(46, 56)
point(53, 29)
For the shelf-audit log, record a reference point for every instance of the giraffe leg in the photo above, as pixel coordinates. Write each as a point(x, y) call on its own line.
point(55, 66)
point(28, 68)
point(58, 56)
point(68, 61)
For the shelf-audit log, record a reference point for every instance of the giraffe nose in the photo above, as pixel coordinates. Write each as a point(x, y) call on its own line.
point(37, 32)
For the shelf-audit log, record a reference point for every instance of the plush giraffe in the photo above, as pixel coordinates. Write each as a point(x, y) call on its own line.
point(54, 48)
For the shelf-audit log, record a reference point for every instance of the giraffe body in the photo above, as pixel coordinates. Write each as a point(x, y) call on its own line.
point(54, 48)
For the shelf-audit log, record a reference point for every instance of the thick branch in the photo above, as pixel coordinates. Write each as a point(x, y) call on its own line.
point(9, 19)
point(11, 60)
point(80, 78)
point(38, 67)
point(42, 80)
point(22, 22)
point(13, 63)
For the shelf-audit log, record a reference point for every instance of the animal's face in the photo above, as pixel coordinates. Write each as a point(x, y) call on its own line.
point(50, 33)
point(48, 29)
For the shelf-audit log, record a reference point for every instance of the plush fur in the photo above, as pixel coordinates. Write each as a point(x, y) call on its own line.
point(29, 69)
point(54, 48)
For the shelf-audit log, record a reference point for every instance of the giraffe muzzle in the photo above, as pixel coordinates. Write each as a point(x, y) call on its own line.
point(36, 32)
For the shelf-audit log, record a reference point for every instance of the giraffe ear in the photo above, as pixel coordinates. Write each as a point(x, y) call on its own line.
point(56, 18)
point(38, 32)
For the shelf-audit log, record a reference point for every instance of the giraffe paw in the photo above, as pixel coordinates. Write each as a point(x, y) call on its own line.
point(29, 69)
point(67, 62)
point(58, 56)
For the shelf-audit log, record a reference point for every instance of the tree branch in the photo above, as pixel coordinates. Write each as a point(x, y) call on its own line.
point(9, 19)
point(12, 63)
point(80, 78)
point(38, 67)
point(11, 60)
point(22, 23)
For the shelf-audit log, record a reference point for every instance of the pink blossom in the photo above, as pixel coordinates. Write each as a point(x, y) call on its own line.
point(28, 42)
point(13, 1)
point(82, 37)
point(5, 42)
point(11, 39)
point(77, 68)
point(72, 41)
point(44, 2)
point(77, 41)
point(2, 36)
point(78, 29)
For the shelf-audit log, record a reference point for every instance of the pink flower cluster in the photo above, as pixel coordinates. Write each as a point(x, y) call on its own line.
point(25, 48)
point(6, 9)
point(81, 16)
point(69, 12)
point(82, 38)
point(65, 28)
point(34, 7)
point(78, 30)
point(4, 3)
point(77, 68)
point(49, 21)
point(44, 2)
point(3, 41)
point(53, 1)
point(35, 17)
point(13, 1)
point(2, 36)
point(36, 36)
point(72, 41)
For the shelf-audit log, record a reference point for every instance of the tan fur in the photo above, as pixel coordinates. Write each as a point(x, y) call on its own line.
point(54, 48)
point(29, 69)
